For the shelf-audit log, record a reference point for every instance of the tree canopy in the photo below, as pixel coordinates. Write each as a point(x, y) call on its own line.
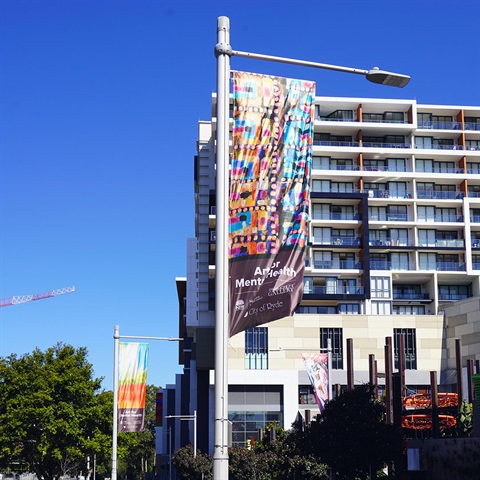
point(50, 415)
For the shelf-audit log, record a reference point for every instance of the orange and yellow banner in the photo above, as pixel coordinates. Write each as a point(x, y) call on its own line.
point(132, 386)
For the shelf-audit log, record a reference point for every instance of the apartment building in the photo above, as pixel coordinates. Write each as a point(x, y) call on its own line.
point(394, 240)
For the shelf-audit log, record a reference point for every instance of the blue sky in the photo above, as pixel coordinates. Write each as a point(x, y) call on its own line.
point(99, 104)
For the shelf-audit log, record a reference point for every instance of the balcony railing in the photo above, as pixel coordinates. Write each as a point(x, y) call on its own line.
point(344, 241)
point(334, 289)
point(436, 146)
point(450, 243)
point(476, 265)
point(475, 218)
point(410, 296)
point(337, 265)
point(388, 194)
point(336, 190)
point(371, 120)
point(448, 170)
point(472, 126)
point(387, 265)
point(452, 296)
point(391, 217)
point(337, 167)
point(383, 168)
point(438, 194)
point(442, 266)
point(442, 218)
point(391, 242)
point(335, 216)
point(474, 194)
point(327, 119)
point(385, 145)
point(440, 125)
point(328, 143)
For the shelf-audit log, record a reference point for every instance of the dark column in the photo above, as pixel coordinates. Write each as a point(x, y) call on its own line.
point(470, 372)
point(350, 373)
point(458, 357)
point(372, 374)
point(388, 379)
point(434, 392)
point(401, 362)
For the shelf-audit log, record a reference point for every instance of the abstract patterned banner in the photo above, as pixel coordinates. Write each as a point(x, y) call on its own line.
point(269, 197)
point(132, 386)
point(317, 369)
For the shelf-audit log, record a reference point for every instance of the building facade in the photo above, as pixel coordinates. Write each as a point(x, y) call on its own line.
point(394, 240)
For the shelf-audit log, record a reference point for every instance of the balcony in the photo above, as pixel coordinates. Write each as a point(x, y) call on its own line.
point(385, 145)
point(335, 190)
point(336, 265)
point(328, 143)
point(382, 168)
point(450, 243)
point(453, 297)
point(438, 195)
point(442, 266)
point(334, 290)
point(475, 218)
point(472, 126)
point(387, 265)
point(436, 146)
point(337, 241)
point(443, 218)
point(335, 216)
point(476, 265)
point(336, 167)
point(449, 170)
point(402, 295)
point(391, 242)
point(391, 217)
point(388, 194)
point(439, 125)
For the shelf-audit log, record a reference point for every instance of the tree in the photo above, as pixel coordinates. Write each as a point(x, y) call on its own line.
point(49, 411)
point(190, 468)
point(352, 436)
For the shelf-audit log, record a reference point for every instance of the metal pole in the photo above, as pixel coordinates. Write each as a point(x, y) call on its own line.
point(222, 52)
point(194, 434)
point(458, 361)
point(116, 343)
point(350, 372)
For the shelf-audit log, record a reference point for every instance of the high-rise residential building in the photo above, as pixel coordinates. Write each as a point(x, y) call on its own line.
point(394, 239)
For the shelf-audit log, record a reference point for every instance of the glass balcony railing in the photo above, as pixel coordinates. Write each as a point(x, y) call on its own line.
point(388, 194)
point(402, 295)
point(472, 126)
point(383, 168)
point(391, 242)
point(475, 218)
point(440, 125)
point(335, 190)
point(334, 143)
point(335, 216)
point(388, 265)
point(334, 289)
point(337, 265)
point(448, 170)
point(391, 217)
point(476, 265)
point(336, 167)
point(343, 241)
point(438, 194)
point(442, 218)
point(338, 119)
point(450, 243)
point(442, 266)
point(453, 296)
point(437, 146)
point(474, 194)
point(385, 145)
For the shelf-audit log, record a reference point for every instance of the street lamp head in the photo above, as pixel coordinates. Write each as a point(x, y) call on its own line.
point(375, 75)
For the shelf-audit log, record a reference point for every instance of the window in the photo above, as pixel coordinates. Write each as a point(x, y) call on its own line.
point(381, 308)
point(256, 348)
point(410, 347)
point(408, 310)
point(335, 335)
point(306, 395)
point(396, 165)
point(380, 287)
point(348, 309)
point(454, 292)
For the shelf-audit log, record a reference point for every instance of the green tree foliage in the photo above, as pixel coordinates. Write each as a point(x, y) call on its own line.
point(49, 411)
point(352, 436)
point(190, 468)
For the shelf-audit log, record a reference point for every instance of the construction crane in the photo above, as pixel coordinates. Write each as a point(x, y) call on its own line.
point(6, 302)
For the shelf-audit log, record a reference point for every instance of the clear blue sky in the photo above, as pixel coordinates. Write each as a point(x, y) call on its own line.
point(99, 107)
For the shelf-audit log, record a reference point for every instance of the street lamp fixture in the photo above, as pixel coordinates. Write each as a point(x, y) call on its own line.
point(223, 52)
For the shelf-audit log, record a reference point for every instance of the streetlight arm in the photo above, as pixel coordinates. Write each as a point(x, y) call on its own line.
point(375, 75)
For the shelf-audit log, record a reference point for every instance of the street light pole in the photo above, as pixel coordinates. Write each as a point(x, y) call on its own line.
point(189, 417)
point(223, 52)
point(116, 346)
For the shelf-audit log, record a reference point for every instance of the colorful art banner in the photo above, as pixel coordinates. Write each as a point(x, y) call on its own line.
point(269, 197)
point(132, 386)
point(317, 369)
